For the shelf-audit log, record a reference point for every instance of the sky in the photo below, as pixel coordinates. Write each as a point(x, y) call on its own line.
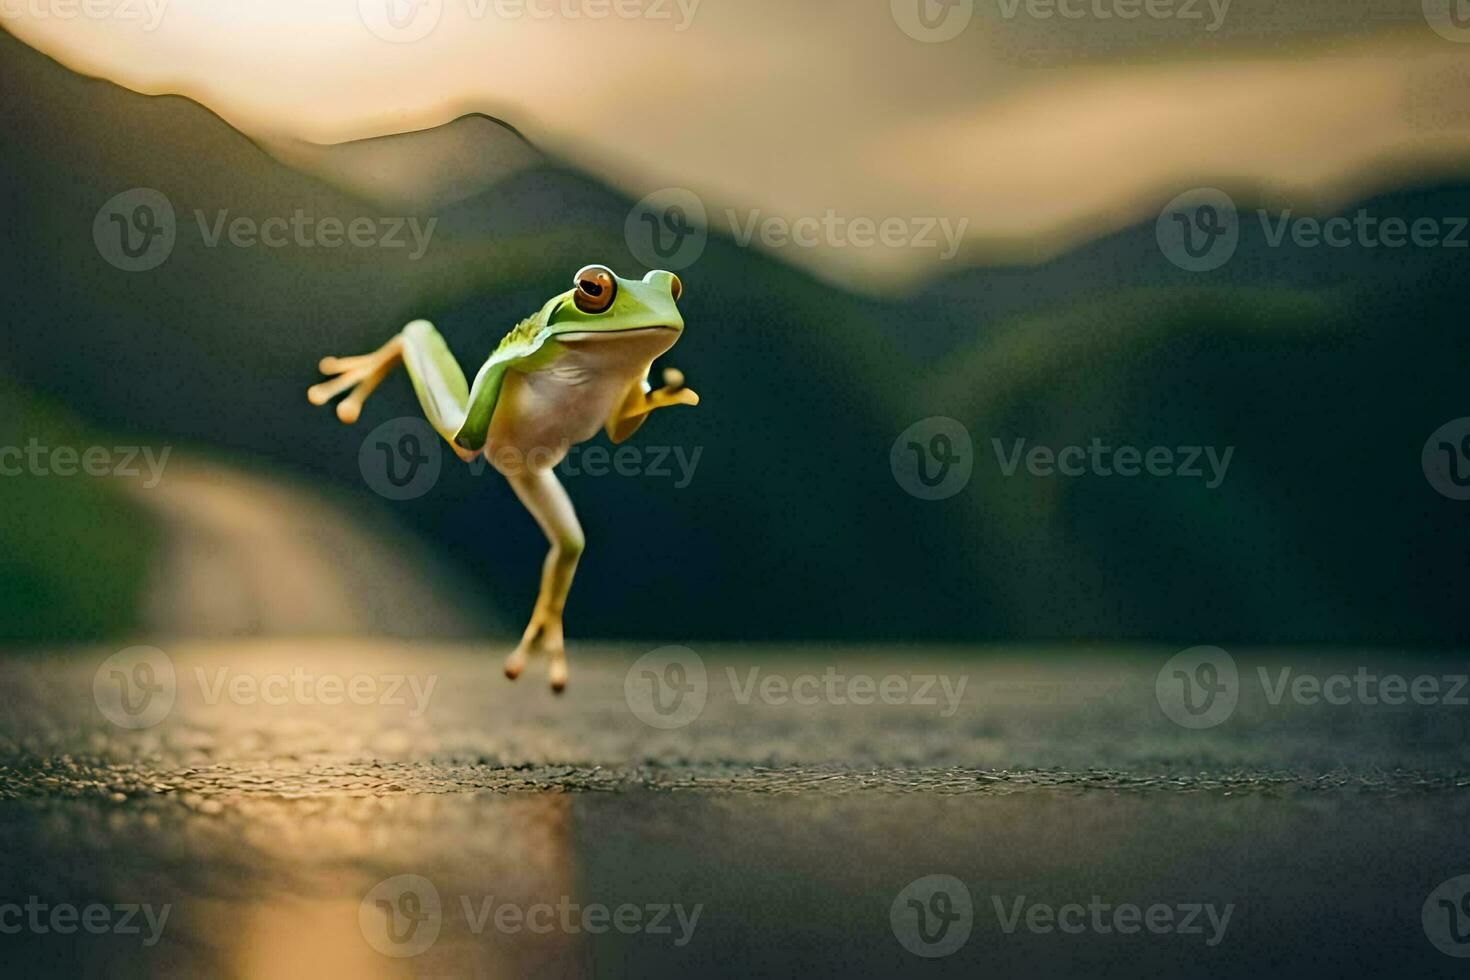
point(1041, 122)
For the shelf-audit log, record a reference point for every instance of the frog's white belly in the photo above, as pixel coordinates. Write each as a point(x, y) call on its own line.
point(541, 414)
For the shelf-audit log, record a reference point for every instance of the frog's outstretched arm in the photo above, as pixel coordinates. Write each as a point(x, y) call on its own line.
point(641, 400)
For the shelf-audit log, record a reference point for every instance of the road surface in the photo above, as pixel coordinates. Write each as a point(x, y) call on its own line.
point(397, 809)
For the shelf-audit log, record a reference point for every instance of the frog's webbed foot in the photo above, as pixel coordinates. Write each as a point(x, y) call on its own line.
point(362, 374)
point(543, 635)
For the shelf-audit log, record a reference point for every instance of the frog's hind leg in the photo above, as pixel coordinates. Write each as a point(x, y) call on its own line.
point(546, 499)
point(362, 374)
point(437, 378)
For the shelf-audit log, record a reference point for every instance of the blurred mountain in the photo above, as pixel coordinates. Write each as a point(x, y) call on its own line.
point(1326, 371)
point(419, 171)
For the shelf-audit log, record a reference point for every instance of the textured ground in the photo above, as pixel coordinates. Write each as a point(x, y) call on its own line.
point(793, 827)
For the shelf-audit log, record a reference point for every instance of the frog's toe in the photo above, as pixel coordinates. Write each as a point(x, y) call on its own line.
point(558, 674)
point(515, 664)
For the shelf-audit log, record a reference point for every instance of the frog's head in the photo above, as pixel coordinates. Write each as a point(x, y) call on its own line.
point(602, 304)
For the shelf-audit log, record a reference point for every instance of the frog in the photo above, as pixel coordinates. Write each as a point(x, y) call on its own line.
point(578, 365)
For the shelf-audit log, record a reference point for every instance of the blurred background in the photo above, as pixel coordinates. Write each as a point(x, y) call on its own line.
point(1027, 166)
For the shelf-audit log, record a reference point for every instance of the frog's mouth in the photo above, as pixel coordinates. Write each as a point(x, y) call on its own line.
point(632, 333)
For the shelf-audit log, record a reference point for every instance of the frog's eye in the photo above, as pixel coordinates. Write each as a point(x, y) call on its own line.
point(595, 289)
point(676, 288)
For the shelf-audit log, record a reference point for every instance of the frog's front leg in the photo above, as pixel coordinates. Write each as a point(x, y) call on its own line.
point(639, 402)
point(546, 499)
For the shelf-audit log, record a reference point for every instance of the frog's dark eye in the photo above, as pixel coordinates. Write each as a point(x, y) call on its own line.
point(676, 288)
point(595, 289)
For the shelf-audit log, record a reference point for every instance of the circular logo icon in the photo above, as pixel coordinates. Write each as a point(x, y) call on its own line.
point(932, 916)
point(1199, 230)
point(136, 687)
point(401, 458)
point(401, 916)
point(1446, 459)
point(1446, 917)
point(933, 458)
point(667, 229)
point(932, 21)
point(1450, 19)
point(1199, 687)
point(400, 21)
point(666, 688)
point(135, 230)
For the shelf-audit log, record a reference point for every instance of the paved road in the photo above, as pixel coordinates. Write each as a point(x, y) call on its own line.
point(618, 831)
